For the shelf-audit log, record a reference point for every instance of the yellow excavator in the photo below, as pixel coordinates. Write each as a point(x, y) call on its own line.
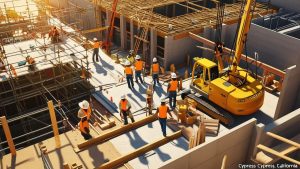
point(232, 88)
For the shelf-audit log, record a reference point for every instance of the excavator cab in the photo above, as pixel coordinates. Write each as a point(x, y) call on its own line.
point(204, 71)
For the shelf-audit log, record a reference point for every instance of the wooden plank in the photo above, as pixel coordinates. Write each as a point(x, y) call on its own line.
point(249, 59)
point(95, 30)
point(140, 151)
point(278, 154)
point(7, 133)
point(224, 162)
point(284, 139)
point(54, 123)
point(116, 132)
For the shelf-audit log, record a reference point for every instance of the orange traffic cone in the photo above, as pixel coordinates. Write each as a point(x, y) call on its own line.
point(111, 98)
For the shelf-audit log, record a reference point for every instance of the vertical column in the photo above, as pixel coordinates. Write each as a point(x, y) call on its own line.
point(54, 123)
point(107, 22)
point(123, 31)
point(131, 35)
point(9, 139)
point(153, 43)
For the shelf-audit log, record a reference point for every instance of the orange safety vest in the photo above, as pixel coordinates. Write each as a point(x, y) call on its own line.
point(128, 71)
point(155, 67)
point(96, 45)
point(82, 125)
point(139, 65)
point(162, 111)
point(87, 113)
point(30, 60)
point(123, 105)
point(173, 86)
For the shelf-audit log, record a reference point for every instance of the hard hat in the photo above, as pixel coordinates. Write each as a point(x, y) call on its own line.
point(173, 75)
point(137, 57)
point(84, 104)
point(81, 114)
point(127, 63)
point(123, 96)
point(154, 60)
point(95, 39)
point(162, 100)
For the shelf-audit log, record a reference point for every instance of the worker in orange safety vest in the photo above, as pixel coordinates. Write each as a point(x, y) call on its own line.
point(125, 107)
point(139, 66)
point(155, 72)
point(172, 91)
point(129, 75)
point(54, 35)
point(161, 112)
point(31, 63)
point(83, 125)
point(96, 45)
point(85, 108)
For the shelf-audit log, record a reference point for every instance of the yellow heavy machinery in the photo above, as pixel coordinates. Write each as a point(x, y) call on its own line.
point(233, 88)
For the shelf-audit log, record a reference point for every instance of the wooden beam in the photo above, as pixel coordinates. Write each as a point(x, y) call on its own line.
point(140, 151)
point(95, 30)
point(54, 123)
point(278, 154)
point(249, 59)
point(116, 132)
point(284, 139)
point(7, 133)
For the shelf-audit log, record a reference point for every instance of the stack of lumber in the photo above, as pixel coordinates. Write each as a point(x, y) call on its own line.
point(104, 121)
point(212, 126)
point(199, 137)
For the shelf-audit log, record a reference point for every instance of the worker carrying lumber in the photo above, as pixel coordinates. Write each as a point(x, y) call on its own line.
point(54, 35)
point(139, 66)
point(83, 125)
point(129, 75)
point(85, 108)
point(96, 45)
point(125, 107)
point(172, 90)
point(31, 63)
point(155, 72)
point(161, 112)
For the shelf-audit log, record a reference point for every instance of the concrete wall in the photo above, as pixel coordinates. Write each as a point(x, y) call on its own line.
point(293, 5)
point(176, 51)
point(233, 143)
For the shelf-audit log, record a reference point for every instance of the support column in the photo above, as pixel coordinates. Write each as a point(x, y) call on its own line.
point(153, 43)
point(54, 123)
point(108, 16)
point(7, 133)
point(131, 35)
point(123, 31)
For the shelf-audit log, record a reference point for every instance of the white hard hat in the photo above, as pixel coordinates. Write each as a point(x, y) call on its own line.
point(137, 57)
point(81, 114)
point(123, 96)
point(162, 100)
point(84, 104)
point(95, 39)
point(154, 60)
point(127, 63)
point(173, 75)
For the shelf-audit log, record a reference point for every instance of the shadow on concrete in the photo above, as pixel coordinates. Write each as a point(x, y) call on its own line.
point(96, 156)
point(163, 156)
point(160, 91)
point(139, 95)
point(259, 115)
point(136, 141)
point(181, 143)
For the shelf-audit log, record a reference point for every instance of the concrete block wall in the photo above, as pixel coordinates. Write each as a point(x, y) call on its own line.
point(234, 143)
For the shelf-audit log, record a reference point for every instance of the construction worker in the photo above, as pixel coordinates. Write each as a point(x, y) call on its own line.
point(31, 63)
point(155, 72)
point(124, 107)
point(2, 67)
point(129, 75)
point(85, 108)
point(172, 90)
point(96, 46)
point(139, 64)
point(83, 125)
point(54, 35)
point(161, 112)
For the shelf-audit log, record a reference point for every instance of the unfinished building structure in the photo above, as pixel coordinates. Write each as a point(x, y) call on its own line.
point(64, 75)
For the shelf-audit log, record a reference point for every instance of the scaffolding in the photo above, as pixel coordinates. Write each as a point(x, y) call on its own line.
point(61, 69)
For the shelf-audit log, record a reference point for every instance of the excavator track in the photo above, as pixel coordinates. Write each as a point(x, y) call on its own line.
point(212, 109)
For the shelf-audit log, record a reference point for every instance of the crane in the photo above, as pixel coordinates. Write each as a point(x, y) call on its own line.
point(233, 89)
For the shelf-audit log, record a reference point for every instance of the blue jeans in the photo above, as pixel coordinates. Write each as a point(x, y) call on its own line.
point(172, 99)
point(155, 79)
point(129, 79)
point(163, 125)
point(138, 76)
point(96, 54)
